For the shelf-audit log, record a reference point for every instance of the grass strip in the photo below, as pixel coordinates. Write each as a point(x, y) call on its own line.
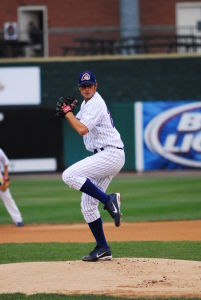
point(78, 297)
point(144, 199)
point(28, 252)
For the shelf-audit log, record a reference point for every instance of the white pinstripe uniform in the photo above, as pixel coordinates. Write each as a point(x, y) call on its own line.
point(6, 195)
point(101, 167)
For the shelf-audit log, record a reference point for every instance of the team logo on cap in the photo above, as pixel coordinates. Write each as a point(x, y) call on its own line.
point(85, 76)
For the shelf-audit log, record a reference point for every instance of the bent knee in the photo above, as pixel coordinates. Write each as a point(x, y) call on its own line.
point(67, 177)
point(72, 179)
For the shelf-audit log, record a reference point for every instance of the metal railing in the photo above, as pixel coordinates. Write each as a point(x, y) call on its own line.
point(135, 44)
point(102, 41)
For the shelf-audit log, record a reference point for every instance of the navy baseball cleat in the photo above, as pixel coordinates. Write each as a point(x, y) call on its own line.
point(99, 253)
point(20, 224)
point(113, 207)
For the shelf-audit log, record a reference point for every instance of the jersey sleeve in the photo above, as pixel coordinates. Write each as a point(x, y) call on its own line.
point(92, 114)
point(3, 158)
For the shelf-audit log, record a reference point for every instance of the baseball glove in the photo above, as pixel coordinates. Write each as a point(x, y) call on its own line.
point(4, 184)
point(65, 105)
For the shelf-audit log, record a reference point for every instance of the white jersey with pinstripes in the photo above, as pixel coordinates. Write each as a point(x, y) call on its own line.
point(101, 167)
point(3, 160)
point(96, 117)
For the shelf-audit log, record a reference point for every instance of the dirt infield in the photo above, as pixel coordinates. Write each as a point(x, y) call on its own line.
point(120, 277)
point(158, 231)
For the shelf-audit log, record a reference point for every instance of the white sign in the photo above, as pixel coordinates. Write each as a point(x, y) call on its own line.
point(33, 165)
point(10, 31)
point(20, 86)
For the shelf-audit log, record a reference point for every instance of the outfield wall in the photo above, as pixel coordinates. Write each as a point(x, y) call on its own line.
point(122, 80)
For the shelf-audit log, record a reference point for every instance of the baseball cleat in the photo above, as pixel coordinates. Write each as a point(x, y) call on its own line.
point(99, 253)
point(20, 224)
point(113, 207)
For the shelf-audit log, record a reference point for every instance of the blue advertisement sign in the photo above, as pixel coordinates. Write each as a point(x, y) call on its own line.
point(168, 135)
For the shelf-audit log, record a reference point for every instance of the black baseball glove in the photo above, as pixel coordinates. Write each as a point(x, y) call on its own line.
point(65, 105)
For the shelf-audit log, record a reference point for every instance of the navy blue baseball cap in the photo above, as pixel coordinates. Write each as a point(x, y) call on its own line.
point(86, 77)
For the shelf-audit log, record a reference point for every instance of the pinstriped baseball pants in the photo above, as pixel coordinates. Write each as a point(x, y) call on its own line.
point(100, 168)
point(11, 206)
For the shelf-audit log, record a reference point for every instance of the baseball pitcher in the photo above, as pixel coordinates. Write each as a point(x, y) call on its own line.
point(93, 174)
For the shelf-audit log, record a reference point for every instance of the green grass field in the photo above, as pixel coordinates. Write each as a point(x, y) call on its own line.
point(148, 198)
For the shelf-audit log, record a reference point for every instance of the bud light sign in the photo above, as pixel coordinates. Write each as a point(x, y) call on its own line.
point(168, 135)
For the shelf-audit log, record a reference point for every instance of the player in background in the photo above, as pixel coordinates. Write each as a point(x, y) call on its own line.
point(93, 174)
point(5, 195)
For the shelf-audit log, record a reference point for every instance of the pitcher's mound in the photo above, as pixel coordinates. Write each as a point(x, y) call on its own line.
point(131, 277)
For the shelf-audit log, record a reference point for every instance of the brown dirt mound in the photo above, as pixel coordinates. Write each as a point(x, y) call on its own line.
point(119, 277)
point(158, 231)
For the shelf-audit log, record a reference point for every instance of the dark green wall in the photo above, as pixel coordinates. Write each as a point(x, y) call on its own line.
point(125, 80)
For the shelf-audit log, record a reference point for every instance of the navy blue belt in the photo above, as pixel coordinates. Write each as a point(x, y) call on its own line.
point(101, 149)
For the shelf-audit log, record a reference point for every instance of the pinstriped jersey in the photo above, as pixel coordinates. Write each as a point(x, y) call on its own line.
point(96, 117)
point(3, 161)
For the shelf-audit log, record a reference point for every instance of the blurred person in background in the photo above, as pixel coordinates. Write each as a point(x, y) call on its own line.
point(5, 194)
point(36, 40)
point(35, 34)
